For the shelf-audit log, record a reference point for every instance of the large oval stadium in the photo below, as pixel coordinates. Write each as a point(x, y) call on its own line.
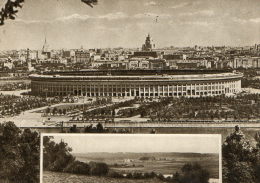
point(137, 83)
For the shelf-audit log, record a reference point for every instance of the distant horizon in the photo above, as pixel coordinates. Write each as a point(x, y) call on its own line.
point(137, 48)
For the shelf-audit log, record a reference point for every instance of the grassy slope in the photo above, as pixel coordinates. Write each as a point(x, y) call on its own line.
point(51, 177)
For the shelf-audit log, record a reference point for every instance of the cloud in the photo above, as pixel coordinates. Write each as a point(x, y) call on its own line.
point(179, 5)
point(255, 20)
point(200, 23)
point(185, 4)
point(149, 15)
point(74, 17)
point(151, 3)
point(243, 21)
point(114, 16)
point(31, 21)
point(239, 20)
point(110, 16)
point(201, 13)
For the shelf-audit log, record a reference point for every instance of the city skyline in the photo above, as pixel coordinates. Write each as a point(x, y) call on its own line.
point(125, 23)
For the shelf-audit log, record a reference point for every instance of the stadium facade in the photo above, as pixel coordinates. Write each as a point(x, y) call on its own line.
point(132, 83)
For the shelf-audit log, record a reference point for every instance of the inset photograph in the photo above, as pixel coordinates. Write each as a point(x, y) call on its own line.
point(92, 158)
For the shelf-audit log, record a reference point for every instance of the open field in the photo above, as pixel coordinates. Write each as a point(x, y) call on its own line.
point(54, 177)
point(164, 163)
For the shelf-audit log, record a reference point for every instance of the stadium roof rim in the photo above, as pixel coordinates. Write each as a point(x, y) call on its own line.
point(220, 76)
point(136, 72)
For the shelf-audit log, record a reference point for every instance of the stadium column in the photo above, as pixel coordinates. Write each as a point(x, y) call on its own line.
point(154, 90)
point(77, 89)
point(168, 91)
point(116, 90)
point(139, 87)
point(81, 90)
point(149, 90)
point(195, 89)
point(103, 90)
point(211, 88)
point(177, 90)
point(163, 90)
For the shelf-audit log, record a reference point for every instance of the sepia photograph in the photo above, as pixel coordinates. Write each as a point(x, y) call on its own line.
point(134, 68)
point(131, 158)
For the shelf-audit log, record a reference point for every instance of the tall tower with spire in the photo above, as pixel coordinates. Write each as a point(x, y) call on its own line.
point(45, 47)
point(148, 45)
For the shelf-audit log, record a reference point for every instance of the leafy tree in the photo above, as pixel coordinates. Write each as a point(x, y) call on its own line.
point(19, 154)
point(239, 158)
point(9, 10)
point(77, 167)
point(257, 167)
point(193, 173)
point(97, 168)
point(29, 149)
point(10, 157)
point(56, 156)
point(100, 128)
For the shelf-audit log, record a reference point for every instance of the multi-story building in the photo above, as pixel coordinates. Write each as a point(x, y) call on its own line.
point(245, 62)
point(81, 56)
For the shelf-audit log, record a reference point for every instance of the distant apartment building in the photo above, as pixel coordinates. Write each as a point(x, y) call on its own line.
point(95, 57)
point(138, 63)
point(81, 56)
point(145, 54)
point(151, 63)
point(65, 54)
point(245, 62)
point(175, 57)
point(109, 64)
point(9, 64)
point(156, 64)
point(189, 64)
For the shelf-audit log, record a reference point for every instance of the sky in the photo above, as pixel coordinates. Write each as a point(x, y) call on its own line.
point(113, 23)
point(141, 143)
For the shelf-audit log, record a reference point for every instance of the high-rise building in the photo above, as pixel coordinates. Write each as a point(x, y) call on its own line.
point(45, 49)
point(148, 45)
